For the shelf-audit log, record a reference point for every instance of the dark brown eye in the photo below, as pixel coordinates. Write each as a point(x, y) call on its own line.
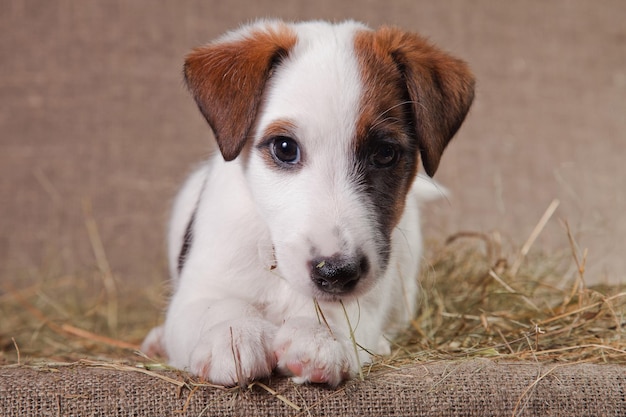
point(384, 155)
point(285, 150)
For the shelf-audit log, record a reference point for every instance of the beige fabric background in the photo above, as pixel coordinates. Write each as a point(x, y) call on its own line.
point(93, 112)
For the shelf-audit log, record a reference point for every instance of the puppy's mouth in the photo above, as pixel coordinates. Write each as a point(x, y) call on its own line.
point(338, 275)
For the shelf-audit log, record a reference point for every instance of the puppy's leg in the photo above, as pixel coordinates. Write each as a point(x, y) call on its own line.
point(227, 341)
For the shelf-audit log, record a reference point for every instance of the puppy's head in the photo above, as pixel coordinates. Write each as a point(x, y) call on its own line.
point(330, 122)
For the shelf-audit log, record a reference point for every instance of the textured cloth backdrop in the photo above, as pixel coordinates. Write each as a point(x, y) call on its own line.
point(460, 388)
point(93, 108)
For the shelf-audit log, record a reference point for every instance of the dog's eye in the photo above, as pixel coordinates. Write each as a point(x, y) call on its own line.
point(285, 150)
point(384, 155)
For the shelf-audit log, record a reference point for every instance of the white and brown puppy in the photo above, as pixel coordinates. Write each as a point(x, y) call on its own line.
point(302, 234)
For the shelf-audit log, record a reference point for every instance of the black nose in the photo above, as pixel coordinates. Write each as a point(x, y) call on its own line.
point(338, 274)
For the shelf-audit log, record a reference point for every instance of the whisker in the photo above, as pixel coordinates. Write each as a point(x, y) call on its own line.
point(392, 121)
point(378, 120)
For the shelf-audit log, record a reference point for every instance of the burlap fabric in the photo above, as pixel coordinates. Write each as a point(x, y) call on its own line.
point(467, 388)
point(93, 107)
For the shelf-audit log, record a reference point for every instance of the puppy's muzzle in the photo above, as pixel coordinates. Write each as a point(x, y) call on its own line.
point(338, 274)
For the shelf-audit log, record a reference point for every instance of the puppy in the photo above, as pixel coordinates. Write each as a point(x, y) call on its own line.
point(297, 246)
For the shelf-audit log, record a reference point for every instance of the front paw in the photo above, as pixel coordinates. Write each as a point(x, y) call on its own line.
point(312, 352)
point(152, 345)
point(235, 352)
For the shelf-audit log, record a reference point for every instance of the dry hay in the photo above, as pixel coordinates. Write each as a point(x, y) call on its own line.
point(477, 303)
point(477, 300)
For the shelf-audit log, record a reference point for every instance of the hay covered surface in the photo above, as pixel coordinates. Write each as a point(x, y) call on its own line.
point(480, 298)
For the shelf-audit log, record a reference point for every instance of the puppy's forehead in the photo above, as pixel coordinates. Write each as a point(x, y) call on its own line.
point(319, 85)
point(333, 85)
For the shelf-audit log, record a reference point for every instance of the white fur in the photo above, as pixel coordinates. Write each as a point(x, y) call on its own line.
point(244, 302)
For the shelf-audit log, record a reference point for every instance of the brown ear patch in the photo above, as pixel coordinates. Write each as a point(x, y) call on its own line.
point(440, 87)
point(227, 79)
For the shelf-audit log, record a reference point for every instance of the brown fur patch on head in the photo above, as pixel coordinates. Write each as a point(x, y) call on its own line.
point(440, 87)
point(384, 115)
point(281, 127)
point(384, 99)
point(227, 79)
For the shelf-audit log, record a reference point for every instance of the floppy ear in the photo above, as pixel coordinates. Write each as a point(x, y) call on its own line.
point(227, 79)
point(440, 86)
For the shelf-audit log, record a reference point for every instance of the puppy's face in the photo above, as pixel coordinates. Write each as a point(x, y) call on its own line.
point(330, 166)
point(337, 126)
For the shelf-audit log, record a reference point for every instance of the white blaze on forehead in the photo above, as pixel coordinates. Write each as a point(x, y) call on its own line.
point(318, 86)
point(318, 90)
